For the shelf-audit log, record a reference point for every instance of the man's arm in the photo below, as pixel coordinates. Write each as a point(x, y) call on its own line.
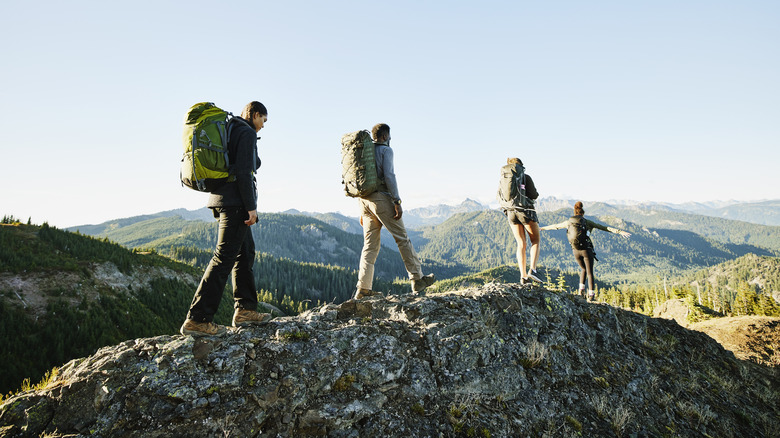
point(242, 168)
point(398, 211)
point(389, 173)
point(252, 217)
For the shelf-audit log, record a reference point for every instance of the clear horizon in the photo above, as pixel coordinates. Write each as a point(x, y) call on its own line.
point(662, 102)
point(616, 202)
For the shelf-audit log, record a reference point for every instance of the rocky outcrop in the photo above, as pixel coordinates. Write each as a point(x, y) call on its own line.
point(676, 309)
point(684, 311)
point(496, 361)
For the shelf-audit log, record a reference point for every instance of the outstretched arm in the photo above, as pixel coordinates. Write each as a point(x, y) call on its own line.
point(625, 234)
point(559, 226)
point(592, 225)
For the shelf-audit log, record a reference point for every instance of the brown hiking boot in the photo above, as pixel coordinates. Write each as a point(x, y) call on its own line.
point(244, 317)
point(422, 283)
point(198, 329)
point(365, 293)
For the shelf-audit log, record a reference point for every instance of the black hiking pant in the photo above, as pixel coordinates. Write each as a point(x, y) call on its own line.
point(585, 258)
point(235, 253)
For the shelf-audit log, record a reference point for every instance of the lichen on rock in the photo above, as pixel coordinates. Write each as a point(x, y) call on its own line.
point(499, 360)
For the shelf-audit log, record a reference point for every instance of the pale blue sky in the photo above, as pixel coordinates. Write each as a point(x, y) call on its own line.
point(668, 101)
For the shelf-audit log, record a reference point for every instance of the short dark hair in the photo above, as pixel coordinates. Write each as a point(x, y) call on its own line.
point(578, 210)
point(380, 130)
point(252, 108)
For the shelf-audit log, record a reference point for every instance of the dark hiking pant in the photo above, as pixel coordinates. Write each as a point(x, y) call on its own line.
point(585, 259)
point(235, 253)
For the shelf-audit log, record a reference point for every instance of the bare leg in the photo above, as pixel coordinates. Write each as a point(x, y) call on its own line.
point(519, 232)
point(533, 233)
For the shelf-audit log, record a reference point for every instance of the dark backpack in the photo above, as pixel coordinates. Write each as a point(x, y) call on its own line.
point(205, 165)
point(358, 164)
point(511, 189)
point(577, 233)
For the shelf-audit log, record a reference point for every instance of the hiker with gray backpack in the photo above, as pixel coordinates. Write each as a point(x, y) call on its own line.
point(577, 229)
point(369, 175)
point(516, 197)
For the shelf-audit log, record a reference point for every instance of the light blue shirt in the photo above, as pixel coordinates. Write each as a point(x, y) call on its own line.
point(385, 170)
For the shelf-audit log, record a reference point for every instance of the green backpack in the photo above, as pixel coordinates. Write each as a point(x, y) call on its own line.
point(206, 165)
point(511, 188)
point(358, 164)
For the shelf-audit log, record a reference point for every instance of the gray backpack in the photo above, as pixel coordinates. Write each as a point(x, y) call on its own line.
point(358, 164)
point(511, 189)
point(577, 233)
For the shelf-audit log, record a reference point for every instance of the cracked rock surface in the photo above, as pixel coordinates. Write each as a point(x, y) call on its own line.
point(496, 361)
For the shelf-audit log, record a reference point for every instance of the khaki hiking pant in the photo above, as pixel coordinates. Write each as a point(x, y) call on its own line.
point(377, 210)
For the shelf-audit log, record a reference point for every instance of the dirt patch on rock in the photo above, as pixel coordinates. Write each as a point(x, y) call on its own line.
point(755, 338)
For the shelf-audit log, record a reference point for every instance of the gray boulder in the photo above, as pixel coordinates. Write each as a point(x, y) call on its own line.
point(496, 361)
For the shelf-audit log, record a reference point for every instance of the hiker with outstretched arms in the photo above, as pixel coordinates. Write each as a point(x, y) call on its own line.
point(582, 247)
point(234, 204)
point(516, 196)
point(383, 208)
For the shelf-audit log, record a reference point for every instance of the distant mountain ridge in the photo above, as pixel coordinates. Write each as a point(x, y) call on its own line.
point(482, 240)
point(295, 237)
point(665, 240)
point(413, 218)
point(760, 212)
point(436, 214)
point(724, 230)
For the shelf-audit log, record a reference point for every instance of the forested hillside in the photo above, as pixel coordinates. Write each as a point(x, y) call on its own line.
point(300, 238)
point(295, 286)
point(475, 241)
point(748, 285)
point(203, 214)
point(344, 223)
point(733, 232)
point(63, 295)
point(482, 240)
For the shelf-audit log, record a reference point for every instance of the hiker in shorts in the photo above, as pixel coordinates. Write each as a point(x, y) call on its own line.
point(582, 247)
point(234, 204)
point(383, 208)
point(517, 203)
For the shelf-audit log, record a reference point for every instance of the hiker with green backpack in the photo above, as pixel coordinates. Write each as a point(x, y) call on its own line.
point(577, 229)
point(369, 175)
point(220, 157)
point(516, 196)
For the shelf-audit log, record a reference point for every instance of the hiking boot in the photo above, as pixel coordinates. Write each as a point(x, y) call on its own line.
point(244, 317)
point(423, 282)
point(533, 275)
point(365, 293)
point(199, 329)
point(524, 281)
point(591, 295)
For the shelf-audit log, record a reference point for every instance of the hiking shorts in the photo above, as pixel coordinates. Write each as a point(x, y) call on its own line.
point(517, 217)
